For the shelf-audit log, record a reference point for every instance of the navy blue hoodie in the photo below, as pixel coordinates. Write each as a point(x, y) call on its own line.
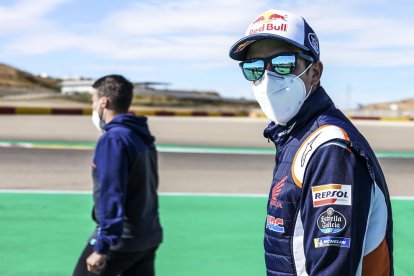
point(125, 178)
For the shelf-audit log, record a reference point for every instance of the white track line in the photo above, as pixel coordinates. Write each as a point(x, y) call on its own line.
point(402, 197)
point(216, 151)
point(39, 191)
point(74, 192)
point(213, 194)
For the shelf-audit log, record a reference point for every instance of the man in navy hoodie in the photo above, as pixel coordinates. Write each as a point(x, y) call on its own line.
point(125, 182)
point(328, 210)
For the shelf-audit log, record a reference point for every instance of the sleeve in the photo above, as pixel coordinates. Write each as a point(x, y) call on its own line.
point(112, 169)
point(335, 210)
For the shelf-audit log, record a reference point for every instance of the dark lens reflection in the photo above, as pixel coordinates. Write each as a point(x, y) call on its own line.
point(284, 64)
point(253, 70)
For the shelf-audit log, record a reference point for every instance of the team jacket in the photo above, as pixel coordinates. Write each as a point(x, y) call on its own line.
point(329, 210)
point(125, 187)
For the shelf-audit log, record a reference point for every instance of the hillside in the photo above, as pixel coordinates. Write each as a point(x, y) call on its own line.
point(403, 105)
point(12, 79)
point(20, 88)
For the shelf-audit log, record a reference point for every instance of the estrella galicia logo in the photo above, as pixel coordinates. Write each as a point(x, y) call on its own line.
point(275, 224)
point(331, 221)
point(332, 241)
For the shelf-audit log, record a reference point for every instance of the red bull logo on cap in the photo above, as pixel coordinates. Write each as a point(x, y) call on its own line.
point(276, 16)
point(269, 22)
point(269, 17)
point(260, 19)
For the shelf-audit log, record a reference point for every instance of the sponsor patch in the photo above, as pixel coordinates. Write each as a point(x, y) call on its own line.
point(313, 41)
point(269, 16)
point(269, 22)
point(242, 46)
point(331, 194)
point(332, 241)
point(269, 27)
point(331, 221)
point(275, 224)
point(275, 193)
point(259, 19)
point(276, 16)
point(307, 150)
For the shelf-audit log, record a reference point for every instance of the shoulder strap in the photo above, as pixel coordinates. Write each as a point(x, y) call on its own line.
point(317, 138)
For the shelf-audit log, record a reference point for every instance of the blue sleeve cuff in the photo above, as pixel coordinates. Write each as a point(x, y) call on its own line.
point(101, 247)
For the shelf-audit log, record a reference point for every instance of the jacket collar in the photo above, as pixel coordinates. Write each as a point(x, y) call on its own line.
point(317, 102)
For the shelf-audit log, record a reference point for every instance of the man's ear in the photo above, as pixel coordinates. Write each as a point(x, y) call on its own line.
point(316, 71)
point(105, 102)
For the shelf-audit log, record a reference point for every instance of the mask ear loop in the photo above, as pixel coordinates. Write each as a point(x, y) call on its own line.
point(103, 118)
point(298, 76)
point(104, 113)
point(308, 93)
point(307, 68)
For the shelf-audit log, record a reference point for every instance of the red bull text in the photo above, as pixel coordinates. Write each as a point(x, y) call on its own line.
point(269, 27)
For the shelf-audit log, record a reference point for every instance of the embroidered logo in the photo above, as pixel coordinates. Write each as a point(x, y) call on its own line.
point(332, 241)
point(308, 149)
point(332, 194)
point(331, 221)
point(268, 17)
point(269, 22)
point(275, 224)
point(313, 41)
point(242, 46)
point(275, 193)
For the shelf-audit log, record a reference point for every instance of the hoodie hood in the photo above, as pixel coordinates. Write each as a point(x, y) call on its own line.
point(138, 124)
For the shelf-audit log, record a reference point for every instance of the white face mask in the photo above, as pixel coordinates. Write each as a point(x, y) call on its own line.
point(98, 122)
point(280, 97)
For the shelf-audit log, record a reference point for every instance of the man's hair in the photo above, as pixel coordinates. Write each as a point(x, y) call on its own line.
point(118, 89)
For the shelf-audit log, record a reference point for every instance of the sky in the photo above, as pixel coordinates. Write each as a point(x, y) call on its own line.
point(367, 47)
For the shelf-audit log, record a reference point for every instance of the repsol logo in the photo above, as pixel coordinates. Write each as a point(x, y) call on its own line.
point(332, 194)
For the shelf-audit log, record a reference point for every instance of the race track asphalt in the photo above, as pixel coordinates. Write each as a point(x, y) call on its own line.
point(192, 131)
point(60, 169)
point(179, 171)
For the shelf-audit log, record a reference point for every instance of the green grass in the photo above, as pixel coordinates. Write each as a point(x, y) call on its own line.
point(43, 234)
point(403, 211)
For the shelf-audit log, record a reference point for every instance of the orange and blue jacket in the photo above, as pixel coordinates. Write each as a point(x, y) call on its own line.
point(329, 210)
